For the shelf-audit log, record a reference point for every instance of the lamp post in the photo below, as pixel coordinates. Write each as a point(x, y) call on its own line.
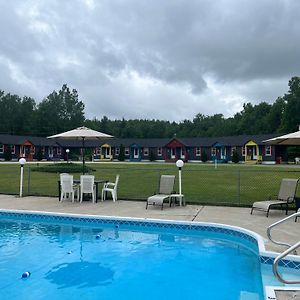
point(22, 162)
point(179, 165)
point(67, 152)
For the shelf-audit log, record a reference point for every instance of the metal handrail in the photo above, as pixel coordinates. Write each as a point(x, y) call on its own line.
point(292, 248)
point(277, 223)
point(276, 262)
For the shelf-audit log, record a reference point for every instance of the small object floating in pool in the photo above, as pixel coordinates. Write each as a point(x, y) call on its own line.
point(26, 274)
point(70, 252)
point(117, 226)
point(98, 236)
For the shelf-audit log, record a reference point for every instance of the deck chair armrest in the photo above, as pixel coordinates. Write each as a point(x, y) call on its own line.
point(109, 184)
point(291, 199)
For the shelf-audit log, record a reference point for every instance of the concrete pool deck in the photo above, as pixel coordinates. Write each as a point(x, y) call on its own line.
point(236, 216)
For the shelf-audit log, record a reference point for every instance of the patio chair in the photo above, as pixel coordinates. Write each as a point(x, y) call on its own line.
point(110, 187)
point(67, 187)
point(285, 197)
point(166, 189)
point(87, 186)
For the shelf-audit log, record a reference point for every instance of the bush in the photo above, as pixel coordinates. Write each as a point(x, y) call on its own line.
point(152, 156)
point(235, 157)
point(7, 153)
point(39, 155)
point(62, 168)
point(122, 153)
point(204, 156)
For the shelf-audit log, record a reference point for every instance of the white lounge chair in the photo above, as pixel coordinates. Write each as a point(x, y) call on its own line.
point(166, 189)
point(87, 186)
point(286, 196)
point(110, 187)
point(67, 187)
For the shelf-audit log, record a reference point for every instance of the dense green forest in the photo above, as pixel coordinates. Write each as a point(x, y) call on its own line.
point(63, 110)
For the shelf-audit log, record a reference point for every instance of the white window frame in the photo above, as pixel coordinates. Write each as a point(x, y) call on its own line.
point(127, 151)
point(182, 153)
point(268, 150)
point(98, 151)
point(233, 148)
point(213, 151)
point(243, 151)
point(32, 150)
point(1, 148)
point(117, 151)
point(159, 151)
point(146, 151)
point(13, 149)
point(198, 151)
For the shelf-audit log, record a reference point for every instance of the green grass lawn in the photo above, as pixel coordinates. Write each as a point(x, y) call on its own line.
point(229, 184)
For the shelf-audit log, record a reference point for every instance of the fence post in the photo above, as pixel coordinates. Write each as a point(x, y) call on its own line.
point(28, 181)
point(239, 187)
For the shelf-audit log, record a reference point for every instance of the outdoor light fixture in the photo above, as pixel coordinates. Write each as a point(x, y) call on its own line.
point(179, 165)
point(22, 162)
point(67, 151)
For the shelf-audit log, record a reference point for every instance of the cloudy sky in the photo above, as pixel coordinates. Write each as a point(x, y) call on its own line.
point(157, 59)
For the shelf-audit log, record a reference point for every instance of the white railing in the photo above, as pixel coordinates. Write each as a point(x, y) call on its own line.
point(291, 249)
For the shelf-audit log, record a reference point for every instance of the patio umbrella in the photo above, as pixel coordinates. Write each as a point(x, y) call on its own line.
point(81, 133)
point(291, 139)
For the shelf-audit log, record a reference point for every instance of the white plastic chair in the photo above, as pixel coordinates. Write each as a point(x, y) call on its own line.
point(67, 187)
point(87, 186)
point(110, 187)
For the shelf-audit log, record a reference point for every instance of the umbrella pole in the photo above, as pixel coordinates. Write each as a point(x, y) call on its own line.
point(83, 153)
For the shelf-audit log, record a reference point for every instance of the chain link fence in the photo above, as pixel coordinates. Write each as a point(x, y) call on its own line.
point(223, 186)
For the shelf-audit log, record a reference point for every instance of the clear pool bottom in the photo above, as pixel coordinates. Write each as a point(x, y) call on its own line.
point(71, 262)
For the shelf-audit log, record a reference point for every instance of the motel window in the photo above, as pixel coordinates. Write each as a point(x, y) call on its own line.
point(233, 149)
point(13, 149)
point(58, 151)
point(126, 151)
point(1, 148)
point(198, 151)
point(43, 150)
point(117, 151)
point(98, 151)
point(146, 151)
point(32, 150)
point(243, 151)
point(213, 151)
point(159, 151)
point(268, 150)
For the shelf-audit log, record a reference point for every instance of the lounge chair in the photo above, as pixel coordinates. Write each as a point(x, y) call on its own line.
point(285, 197)
point(110, 187)
point(166, 189)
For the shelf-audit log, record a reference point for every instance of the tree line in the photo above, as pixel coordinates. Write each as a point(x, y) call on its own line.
point(63, 110)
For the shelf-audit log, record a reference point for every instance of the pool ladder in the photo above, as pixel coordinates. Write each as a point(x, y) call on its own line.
point(291, 248)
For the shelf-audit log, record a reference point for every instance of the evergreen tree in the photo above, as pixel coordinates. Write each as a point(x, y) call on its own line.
point(203, 156)
point(7, 153)
point(121, 153)
point(235, 157)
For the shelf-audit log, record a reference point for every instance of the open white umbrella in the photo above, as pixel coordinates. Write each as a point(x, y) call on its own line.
point(291, 139)
point(81, 133)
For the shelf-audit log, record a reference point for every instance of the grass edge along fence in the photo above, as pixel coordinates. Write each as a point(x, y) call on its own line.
point(226, 185)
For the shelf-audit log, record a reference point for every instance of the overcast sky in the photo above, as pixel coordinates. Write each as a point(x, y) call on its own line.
point(153, 59)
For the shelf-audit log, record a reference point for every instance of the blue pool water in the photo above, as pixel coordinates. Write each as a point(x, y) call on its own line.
point(69, 262)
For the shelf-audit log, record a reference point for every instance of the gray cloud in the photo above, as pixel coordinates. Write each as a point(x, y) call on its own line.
point(151, 59)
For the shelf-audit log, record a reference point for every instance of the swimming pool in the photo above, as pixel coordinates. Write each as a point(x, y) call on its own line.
point(75, 257)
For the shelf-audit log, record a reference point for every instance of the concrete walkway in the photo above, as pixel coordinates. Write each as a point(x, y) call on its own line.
point(237, 216)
